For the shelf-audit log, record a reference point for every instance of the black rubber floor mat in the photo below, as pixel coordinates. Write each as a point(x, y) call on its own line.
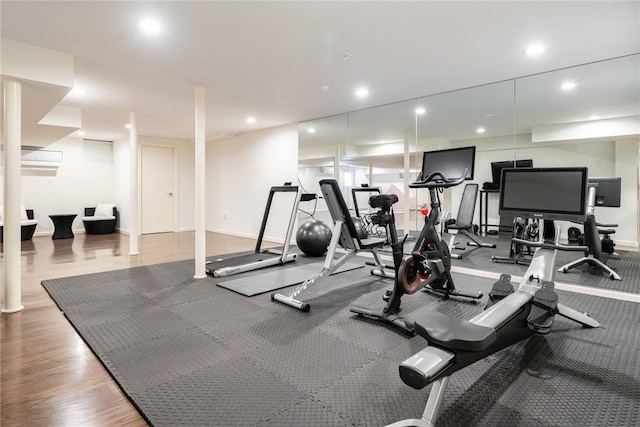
point(187, 352)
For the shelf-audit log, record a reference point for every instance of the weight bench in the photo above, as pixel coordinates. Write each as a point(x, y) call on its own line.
point(593, 254)
point(464, 223)
point(345, 234)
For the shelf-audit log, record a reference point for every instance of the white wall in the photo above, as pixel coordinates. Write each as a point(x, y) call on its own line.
point(240, 171)
point(84, 179)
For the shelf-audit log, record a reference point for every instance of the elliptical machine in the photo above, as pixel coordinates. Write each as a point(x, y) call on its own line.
point(429, 265)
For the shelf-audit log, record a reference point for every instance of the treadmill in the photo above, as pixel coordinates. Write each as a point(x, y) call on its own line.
point(260, 258)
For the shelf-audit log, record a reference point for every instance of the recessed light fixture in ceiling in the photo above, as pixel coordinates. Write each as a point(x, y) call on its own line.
point(535, 49)
point(420, 111)
point(78, 91)
point(311, 130)
point(150, 26)
point(362, 92)
point(251, 120)
point(128, 126)
point(481, 130)
point(568, 85)
point(594, 117)
point(81, 133)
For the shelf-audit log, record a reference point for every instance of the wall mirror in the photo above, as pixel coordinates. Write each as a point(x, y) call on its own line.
point(593, 120)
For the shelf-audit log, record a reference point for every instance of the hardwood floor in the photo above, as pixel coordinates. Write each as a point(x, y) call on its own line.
point(49, 376)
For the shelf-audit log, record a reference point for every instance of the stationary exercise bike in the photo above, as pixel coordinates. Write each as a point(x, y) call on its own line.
point(429, 265)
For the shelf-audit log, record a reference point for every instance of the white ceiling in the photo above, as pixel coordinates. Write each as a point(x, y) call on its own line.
point(279, 61)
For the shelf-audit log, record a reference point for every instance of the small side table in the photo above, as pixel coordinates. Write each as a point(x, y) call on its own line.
point(62, 226)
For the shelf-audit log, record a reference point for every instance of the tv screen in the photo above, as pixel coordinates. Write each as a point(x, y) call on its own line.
point(608, 191)
point(546, 193)
point(496, 168)
point(451, 162)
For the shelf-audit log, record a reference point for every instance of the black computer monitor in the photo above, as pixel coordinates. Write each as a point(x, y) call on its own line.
point(544, 193)
point(608, 191)
point(496, 168)
point(450, 162)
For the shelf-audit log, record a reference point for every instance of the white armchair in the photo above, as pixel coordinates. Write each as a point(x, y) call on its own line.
point(27, 223)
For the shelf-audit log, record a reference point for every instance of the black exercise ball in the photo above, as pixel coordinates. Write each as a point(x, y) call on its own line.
point(313, 237)
point(361, 231)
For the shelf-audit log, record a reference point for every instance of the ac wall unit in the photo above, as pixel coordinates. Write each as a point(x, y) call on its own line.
point(35, 157)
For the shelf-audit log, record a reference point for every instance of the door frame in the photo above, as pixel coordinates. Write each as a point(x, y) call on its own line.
point(174, 152)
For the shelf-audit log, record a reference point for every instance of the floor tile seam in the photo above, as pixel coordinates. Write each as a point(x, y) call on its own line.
point(91, 343)
point(303, 398)
point(377, 353)
point(115, 297)
point(577, 334)
point(172, 305)
point(314, 390)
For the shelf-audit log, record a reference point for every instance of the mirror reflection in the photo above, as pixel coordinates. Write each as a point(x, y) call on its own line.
point(587, 115)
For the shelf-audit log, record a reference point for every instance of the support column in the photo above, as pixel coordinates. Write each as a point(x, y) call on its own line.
point(200, 195)
point(406, 190)
point(133, 184)
point(12, 246)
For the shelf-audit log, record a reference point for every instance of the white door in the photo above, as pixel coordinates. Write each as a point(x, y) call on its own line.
point(157, 192)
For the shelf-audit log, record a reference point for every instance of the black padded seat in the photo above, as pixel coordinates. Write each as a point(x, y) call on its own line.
point(454, 334)
point(344, 215)
point(464, 220)
point(27, 226)
point(97, 225)
point(383, 200)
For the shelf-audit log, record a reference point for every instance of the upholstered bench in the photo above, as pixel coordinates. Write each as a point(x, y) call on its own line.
point(27, 223)
point(100, 220)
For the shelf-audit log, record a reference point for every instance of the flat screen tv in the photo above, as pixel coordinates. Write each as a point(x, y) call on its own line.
point(450, 162)
point(496, 168)
point(544, 193)
point(608, 191)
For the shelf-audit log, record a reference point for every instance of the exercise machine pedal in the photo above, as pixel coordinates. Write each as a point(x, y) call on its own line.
point(543, 309)
point(501, 289)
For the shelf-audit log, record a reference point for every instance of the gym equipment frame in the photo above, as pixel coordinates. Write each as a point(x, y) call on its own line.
point(263, 258)
point(464, 224)
point(343, 233)
point(593, 254)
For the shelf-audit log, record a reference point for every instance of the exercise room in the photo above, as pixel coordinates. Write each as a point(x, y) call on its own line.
point(320, 213)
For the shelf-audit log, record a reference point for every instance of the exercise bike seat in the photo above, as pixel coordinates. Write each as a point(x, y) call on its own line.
point(453, 334)
point(383, 200)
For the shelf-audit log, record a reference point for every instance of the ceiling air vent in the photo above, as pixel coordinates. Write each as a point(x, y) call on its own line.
point(345, 56)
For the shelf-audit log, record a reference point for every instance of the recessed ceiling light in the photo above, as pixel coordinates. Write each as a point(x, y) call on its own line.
point(78, 91)
point(311, 130)
point(81, 133)
point(420, 111)
point(568, 85)
point(325, 87)
point(128, 126)
point(362, 92)
point(480, 130)
point(251, 119)
point(594, 117)
point(535, 49)
point(150, 26)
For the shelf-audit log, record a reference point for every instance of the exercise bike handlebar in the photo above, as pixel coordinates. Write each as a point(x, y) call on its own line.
point(547, 245)
point(437, 180)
